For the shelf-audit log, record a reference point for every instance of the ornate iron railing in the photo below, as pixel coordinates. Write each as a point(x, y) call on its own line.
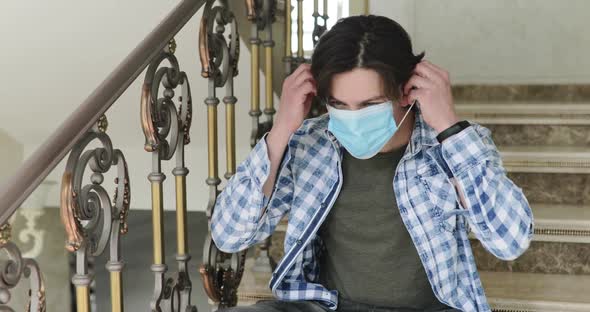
point(166, 129)
point(95, 221)
point(92, 223)
point(221, 272)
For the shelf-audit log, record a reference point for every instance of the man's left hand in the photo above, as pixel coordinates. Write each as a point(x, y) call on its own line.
point(431, 86)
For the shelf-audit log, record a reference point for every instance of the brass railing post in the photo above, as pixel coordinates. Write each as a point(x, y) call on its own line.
point(300, 54)
point(253, 9)
point(166, 129)
point(269, 15)
point(288, 58)
point(221, 272)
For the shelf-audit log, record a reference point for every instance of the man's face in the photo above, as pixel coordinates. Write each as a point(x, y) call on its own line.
point(359, 88)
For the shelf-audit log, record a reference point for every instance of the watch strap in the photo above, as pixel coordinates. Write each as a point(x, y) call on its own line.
point(454, 129)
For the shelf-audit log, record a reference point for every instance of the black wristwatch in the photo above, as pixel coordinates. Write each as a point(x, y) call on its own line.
point(454, 129)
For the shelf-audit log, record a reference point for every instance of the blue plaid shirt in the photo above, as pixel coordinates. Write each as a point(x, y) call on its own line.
point(436, 215)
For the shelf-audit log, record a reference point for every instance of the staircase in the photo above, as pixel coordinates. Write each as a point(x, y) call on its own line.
point(541, 131)
point(542, 134)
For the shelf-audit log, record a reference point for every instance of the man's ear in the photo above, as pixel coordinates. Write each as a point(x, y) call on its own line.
point(404, 101)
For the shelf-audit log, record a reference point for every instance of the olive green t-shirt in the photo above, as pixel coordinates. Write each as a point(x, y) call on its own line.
point(369, 256)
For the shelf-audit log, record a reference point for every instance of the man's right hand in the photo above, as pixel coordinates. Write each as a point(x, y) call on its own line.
point(299, 88)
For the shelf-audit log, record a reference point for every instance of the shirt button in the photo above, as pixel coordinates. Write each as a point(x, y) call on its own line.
point(298, 242)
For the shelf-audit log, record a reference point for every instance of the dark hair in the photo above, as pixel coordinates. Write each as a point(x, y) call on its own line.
point(366, 41)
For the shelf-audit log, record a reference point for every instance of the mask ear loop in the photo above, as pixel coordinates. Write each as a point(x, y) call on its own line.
point(407, 112)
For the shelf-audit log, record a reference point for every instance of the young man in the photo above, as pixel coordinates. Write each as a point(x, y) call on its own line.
point(380, 193)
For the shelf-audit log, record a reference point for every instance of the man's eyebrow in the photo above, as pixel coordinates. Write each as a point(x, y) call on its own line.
point(367, 100)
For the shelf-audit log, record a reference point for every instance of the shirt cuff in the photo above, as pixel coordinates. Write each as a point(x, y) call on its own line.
point(258, 162)
point(463, 150)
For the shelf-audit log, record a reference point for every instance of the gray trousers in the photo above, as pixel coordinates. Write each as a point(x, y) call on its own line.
point(275, 305)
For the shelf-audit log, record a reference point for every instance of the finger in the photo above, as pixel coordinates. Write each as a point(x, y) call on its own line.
point(307, 88)
point(415, 95)
point(434, 67)
point(416, 81)
point(307, 102)
point(427, 72)
point(441, 72)
point(300, 69)
point(295, 73)
point(404, 101)
point(304, 76)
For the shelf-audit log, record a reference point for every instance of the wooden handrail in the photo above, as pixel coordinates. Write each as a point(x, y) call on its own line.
point(15, 190)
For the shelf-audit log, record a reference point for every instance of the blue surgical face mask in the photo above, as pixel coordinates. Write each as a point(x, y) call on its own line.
point(363, 132)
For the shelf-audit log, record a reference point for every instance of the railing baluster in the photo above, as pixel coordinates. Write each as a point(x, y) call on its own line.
point(13, 269)
point(300, 55)
point(90, 220)
point(319, 30)
point(317, 108)
point(166, 131)
point(253, 9)
point(221, 272)
point(288, 58)
point(269, 16)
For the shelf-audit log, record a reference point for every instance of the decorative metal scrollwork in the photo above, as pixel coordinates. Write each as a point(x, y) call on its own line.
point(13, 269)
point(319, 30)
point(262, 13)
point(221, 272)
point(166, 131)
point(317, 108)
point(90, 220)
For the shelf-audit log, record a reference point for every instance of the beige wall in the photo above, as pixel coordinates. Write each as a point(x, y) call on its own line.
point(63, 51)
point(11, 155)
point(500, 41)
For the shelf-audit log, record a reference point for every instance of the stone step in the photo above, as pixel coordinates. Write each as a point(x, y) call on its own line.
point(528, 292)
point(505, 291)
point(561, 223)
point(501, 113)
point(554, 124)
point(554, 188)
point(521, 93)
point(541, 257)
point(254, 285)
point(546, 159)
point(540, 135)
